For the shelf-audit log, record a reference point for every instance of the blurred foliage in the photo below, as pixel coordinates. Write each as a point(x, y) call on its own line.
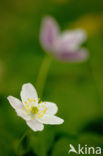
point(59, 1)
point(92, 23)
point(76, 88)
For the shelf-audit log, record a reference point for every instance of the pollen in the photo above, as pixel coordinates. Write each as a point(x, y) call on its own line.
point(31, 100)
point(34, 110)
point(42, 112)
point(25, 102)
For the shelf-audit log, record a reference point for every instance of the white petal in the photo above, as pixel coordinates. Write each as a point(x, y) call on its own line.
point(48, 33)
point(50, 119)
point(28, 91)
point(70, 40)
point(35, 125)
point(15, 103)
point(51, 108)
point(23, 114)
point(18, 106)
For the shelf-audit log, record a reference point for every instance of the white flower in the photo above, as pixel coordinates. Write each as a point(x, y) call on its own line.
point(36, 114)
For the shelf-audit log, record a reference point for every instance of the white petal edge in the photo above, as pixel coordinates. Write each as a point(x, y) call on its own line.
point(14, 102)
point(28, 91)
point(35, 125)
point(70, 40)
point(74, 36)
point(51, 120)
point(23, 114)
point(50, 106)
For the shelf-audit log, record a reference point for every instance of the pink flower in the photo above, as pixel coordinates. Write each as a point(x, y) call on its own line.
point(64, 46)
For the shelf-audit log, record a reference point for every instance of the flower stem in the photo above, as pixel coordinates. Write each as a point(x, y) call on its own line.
point(41, 79)
point(92, 65)
point(99, 102)
point(42, 76)
point(20, 140)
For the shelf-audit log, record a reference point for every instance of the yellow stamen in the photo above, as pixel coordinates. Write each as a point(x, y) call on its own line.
point(29, 100)
point(25, 102)
point(42, 112)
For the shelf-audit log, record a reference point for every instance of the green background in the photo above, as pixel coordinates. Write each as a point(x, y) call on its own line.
point(77, 88)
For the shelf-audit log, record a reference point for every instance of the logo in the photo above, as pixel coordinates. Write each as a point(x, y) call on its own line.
point(84, 150)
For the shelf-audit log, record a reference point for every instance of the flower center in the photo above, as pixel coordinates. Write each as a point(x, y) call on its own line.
point(34, 110)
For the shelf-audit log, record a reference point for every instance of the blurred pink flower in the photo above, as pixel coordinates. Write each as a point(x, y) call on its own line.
point(64, 46)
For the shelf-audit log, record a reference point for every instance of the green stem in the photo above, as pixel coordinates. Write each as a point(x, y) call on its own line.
point(20, 140)
point(92, 64)
point(99, 103)
point(42, 76)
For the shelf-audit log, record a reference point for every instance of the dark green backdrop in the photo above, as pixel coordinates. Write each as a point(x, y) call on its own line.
point(76, 88)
